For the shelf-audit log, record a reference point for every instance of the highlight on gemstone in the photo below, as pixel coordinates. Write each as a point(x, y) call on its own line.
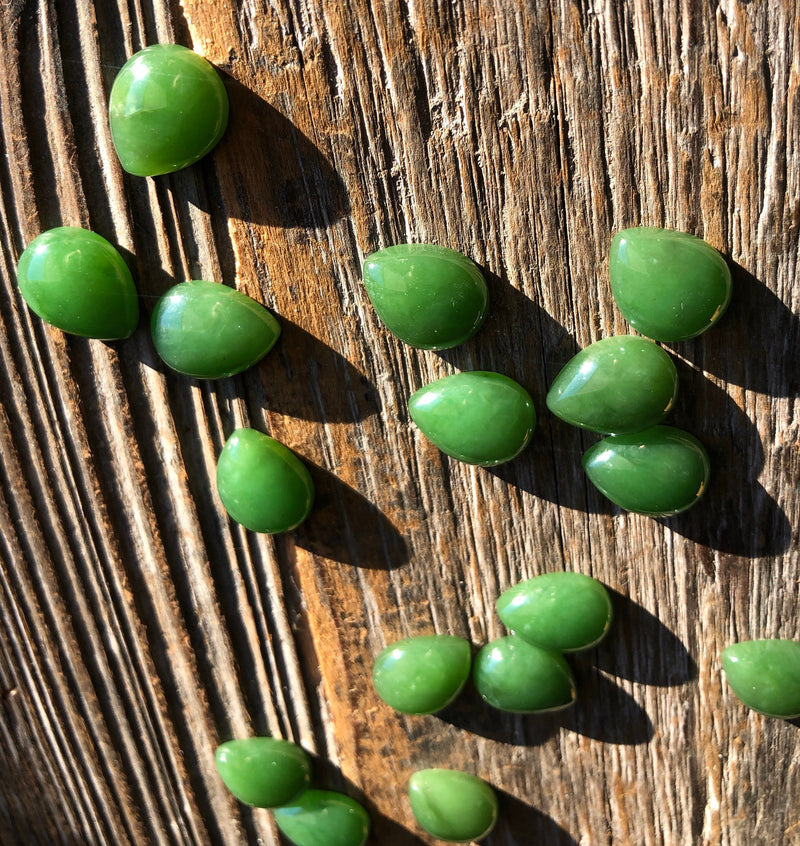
point(323, 818)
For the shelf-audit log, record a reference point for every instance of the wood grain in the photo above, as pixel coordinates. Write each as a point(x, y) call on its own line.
point(140, 627)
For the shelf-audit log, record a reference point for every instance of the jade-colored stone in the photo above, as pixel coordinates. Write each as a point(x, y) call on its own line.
point(668, 285)
point(262, 483)
point(452, 805)
point(661, 471)
point(167, 109)
point(430, 297)
point(617, 385)
point(323, 818)
point(76, 281)
point(563, 612)
point(765, 675)
point(209, 331)
point(478, 417)
point(514, 675)
point(263, 771)
point(421, 675)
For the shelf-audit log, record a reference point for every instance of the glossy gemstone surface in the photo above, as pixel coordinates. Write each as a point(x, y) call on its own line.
point(263, 771)
point(430, 297)
point(76, 281)
point(452, 805)
point(514, 675)
point(765, 675)
point(209, 331)
point(564, 612)
point(323, 818)
point(660, 472)
point(478, 417)
point(262, 483)
point(167, 109)
point(617, 385)
point(421, 675)
point(668, 285)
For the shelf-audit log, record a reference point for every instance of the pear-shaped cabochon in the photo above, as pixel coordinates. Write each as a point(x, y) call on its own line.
point(479, 417)
point(661, 471)
point(617, 385)
point(431, 297)
point(668, 285)
point(765, 675)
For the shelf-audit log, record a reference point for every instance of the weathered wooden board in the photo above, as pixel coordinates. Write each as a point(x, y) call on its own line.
point(140, 626)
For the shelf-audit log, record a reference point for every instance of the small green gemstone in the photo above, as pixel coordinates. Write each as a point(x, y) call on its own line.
point(563, 612)
point(262, 483)
point(430, 297)
point(765, 675)
point(168, 108)
point(668, 285)
point(78, 282)
point(452, 805)
point(263, 771)
point(617, 385)
point(209, 331)
point(478, 417)
point(421, 675)
point(661, 471)
point(323, 818)
point(514, 675)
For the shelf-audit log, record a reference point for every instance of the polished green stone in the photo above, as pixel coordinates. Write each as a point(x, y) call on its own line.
point(660, 472)
point(167, 109)
point(564, 612)
point(421, 675)
point(765, 675)
point(78, 282)
point(452, 805)
point(209, 331)
point(668, 285)
point(262, 483)
point(324, 818)
point(263, 771)
point(430, 297)
point(617, 385)
point(514, 675)
point(478, 417)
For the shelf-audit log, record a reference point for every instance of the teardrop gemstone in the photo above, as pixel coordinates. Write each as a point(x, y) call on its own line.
point(210, 331)
point(452, 805)
point(563, 612)
point(263, 771)
point(514, 675)
point(431, 297)
point(422, 675)
point(617, 385)
point(76, 281)
point(661, 471)
point(478, 417)
point(323, 818)
point(167, 109)
point(262, 483)
point(668, 285)
point(765, 675)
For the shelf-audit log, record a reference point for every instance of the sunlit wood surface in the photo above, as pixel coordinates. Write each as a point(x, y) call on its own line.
point(139, 627)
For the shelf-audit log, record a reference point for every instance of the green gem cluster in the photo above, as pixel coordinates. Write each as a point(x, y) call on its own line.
point(168, 108)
